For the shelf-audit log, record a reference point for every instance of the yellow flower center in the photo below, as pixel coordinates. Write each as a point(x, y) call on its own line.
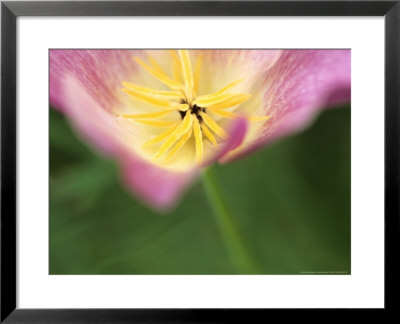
point(182, 99)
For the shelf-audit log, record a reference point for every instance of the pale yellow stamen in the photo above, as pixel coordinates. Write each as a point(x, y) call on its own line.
point(214, 126)
point(180, 144)
point(208, 133)
point(157, 123)
point(187, 74)
point(229, 103)
point(198, 139)
point(226, 88)
point(229, 114)
point(197, 71)
point(161, 136)
point(176, 135)
point(160, 76)
point(154, 100)
point(148, 98)
point(176, 66)
point(154, 92)
point(234, 99)
point(186, 69)
point(155, 65)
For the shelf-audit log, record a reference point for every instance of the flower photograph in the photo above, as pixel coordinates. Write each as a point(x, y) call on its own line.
point(199, 161)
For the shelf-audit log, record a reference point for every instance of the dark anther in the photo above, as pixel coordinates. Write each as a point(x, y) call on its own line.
point(182, 113)
point(195, 110)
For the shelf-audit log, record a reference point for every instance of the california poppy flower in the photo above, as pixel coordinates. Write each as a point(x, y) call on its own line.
point(164, 115)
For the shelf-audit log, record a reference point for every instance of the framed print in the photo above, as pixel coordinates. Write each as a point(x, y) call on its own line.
point(198, 161)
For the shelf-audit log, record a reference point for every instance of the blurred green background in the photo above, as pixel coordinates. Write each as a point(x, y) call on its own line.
point(291, 202)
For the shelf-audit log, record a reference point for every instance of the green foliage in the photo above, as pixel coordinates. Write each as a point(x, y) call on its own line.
point(291, 201)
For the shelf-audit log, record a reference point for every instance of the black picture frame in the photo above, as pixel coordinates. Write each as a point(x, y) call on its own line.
point(11, 10)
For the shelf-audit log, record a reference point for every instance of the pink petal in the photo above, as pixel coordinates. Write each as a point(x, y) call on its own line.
point(260, 60)
point(158, 187)
point(237, 133)
point(297, 87)
point(99, 71)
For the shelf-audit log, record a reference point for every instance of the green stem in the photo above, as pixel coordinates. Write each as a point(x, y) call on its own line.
point(231, 235)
